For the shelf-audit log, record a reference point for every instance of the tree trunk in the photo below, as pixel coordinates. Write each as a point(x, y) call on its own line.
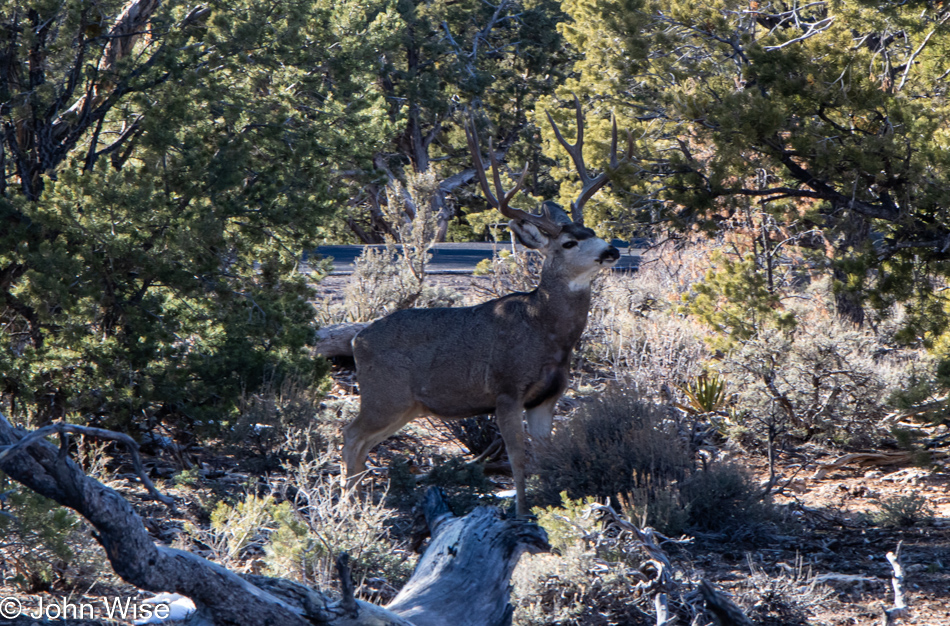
point(853, 234)
point(462, 579)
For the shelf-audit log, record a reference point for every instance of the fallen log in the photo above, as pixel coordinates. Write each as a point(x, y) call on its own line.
point(462, 579)
point(337, 339)
point(865, 459)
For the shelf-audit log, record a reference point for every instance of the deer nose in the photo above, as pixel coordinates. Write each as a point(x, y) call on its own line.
point(609, 255)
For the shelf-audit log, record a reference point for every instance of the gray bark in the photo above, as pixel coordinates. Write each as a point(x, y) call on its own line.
point(463, 577)
point(337, 339)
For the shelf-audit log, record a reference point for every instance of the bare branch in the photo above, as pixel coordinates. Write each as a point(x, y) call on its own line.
point(100, 433)
point(813, 29)
point(920, 48)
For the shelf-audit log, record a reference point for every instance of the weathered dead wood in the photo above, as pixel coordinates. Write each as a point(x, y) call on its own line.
point(865, 459)
point(463, 579)
point(658, 573)
point(63, 430)
point(725, 610)
point(337, 339)
point(900, 610)
point(657, 570)
point(220, 595)
point(663, 617)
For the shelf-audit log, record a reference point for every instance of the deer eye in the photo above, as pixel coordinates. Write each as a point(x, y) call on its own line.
point(569, 244)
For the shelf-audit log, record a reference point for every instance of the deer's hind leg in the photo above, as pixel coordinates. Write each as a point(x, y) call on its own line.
point(379, 418)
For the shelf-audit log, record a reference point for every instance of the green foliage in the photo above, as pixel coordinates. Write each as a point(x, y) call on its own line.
point(588, 579)
point(900, 511)
point(736, 301)
point(238, 526)
point(568, 524)
point(444, 56)
point(149, 267)
point(707, 394)
point(187, 477)
point(811, 115)
point(43, 543)
point(464, 485)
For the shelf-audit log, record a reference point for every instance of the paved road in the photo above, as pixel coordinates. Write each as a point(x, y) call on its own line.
point(455, 258)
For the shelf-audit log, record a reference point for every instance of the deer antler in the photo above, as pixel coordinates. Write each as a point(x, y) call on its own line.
point(590, 185)
point(543, 222)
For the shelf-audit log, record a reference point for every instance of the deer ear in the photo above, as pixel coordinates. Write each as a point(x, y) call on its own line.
point(528, 234)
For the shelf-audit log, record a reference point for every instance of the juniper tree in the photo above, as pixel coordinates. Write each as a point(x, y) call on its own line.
point(827, 116)
point(162, 168)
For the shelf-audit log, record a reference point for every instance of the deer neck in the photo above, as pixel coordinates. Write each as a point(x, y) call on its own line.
point(562, 307)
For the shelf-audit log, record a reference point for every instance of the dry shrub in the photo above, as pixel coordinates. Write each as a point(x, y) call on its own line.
point(298, 529)
point(591, 579)
point(322, 523)
point(279, 418)
point(785, 598)
point(633, 330)
point(576, 587)
point(823, 379)
point(393, 277)
point(614, 445)
point(622, 448)
point(509, 271)
point(383, 281)
point(902, 511)
point(724, 498)
point(477, 434)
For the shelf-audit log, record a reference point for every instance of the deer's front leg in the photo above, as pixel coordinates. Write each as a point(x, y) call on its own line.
point(509, 412)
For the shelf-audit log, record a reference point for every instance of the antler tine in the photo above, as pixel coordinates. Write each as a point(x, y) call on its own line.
point(501, 201)
point(473, 147)
point(590, 186)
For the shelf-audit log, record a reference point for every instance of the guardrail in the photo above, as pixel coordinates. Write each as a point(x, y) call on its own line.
point(454, 258)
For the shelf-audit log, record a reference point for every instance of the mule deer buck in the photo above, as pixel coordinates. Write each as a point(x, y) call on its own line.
point(510, 356)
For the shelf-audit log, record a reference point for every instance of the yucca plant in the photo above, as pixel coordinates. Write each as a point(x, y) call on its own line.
point(706, 395)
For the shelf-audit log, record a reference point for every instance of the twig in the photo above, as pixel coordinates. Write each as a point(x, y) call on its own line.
point(813, 29)
point(661, 576)
point(663, 617)
point(100, 433)
point(920, 48)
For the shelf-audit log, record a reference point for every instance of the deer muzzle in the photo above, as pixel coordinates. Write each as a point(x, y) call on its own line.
point(609, 256)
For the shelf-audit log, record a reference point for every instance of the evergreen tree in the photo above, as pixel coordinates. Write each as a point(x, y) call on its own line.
point(827, 116)
point(162, 168)
point(451, 56)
